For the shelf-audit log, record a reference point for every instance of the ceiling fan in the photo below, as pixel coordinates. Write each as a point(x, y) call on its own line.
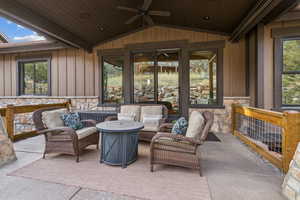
point(144, 13)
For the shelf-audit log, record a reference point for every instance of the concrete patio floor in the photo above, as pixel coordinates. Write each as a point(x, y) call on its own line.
point(233, 171)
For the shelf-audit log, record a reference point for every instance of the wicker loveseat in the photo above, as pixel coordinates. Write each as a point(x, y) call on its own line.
point(147, 133)
point(173, 149)
point(60, 139)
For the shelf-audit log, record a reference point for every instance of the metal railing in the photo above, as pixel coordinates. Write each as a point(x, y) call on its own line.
point(274, 135)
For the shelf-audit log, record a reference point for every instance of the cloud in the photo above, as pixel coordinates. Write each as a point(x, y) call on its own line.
point(28, 38)
point(19, 26)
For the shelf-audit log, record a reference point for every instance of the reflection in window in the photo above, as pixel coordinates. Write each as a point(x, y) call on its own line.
point(113, 79)
point(203, 83)
point(34, 78)
point(168, 82)
point(143, 78)
point(291, 72)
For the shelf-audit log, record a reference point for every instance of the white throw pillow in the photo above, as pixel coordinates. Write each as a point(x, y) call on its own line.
point(126, 116)
point(196, 123)
point(151, 122)
point(52, 118)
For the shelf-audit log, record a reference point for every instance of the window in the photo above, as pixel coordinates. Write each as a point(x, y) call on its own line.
point(156, 78)
point(286, 67)
point(290, 79)
point(34, 77)
point(112, 77)
point(203, 77)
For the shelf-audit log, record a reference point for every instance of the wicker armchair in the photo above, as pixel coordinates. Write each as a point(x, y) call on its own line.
point(64, 139)
point(178, 150)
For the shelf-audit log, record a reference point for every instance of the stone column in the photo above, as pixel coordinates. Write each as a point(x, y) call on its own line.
point(291, 184)
point(7, 153)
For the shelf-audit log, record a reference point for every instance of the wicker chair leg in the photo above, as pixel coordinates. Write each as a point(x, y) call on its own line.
point(44, 155)
point(200, 169)
point(77, 158)
point(151, 167)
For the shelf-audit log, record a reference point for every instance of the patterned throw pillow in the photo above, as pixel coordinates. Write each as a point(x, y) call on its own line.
point(72, 120)
point(180, 126)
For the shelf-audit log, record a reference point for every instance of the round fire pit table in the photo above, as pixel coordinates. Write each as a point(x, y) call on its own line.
point(119, 142)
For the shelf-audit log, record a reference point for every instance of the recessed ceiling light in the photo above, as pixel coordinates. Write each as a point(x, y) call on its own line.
point(100, 28)
point(206, 18)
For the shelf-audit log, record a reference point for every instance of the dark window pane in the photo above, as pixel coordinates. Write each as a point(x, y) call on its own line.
point(41, 78)
point(291, 55)
point(168, 81)
point(143, 78)
point(203, 70)
point(291, 89)
point(35, 78)
point(113, 79)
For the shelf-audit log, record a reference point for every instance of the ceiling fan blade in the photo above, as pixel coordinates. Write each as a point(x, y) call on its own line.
point(149, 20)
point(146, 5)
point(159, 13)
point(132, 19)
point(128, 9)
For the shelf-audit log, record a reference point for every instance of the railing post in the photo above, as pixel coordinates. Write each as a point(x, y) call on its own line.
point(290, 137)
point(233, 121)
point(69, 104)
point(9, 121)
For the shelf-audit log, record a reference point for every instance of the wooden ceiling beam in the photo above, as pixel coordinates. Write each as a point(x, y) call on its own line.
point(16, 12)
point(258, 12)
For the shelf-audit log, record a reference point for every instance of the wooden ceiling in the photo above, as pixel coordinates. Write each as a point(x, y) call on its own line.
point(85, 23)
point(85, 18)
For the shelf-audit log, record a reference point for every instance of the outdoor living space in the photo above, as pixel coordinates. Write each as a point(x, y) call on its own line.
point(149, 99)
point(230, 171)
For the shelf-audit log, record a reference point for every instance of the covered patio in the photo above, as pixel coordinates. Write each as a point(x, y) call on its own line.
point(226, 73)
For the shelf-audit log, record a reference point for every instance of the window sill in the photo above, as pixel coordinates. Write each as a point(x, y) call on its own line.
point(208, 106)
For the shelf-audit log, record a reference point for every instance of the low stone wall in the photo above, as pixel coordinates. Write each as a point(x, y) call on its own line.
point(23, 122)
point(222, 116)
point(7, 153)
point(291, 184)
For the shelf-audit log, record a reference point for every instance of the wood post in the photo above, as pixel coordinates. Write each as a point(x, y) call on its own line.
point(290, 137)
point(69, 104)
point(233, 121)
point(9, 121)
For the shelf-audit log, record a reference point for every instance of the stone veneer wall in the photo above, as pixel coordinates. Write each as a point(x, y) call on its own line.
point(7, 153)
point(291, 184)
point(222, 117)
point(222, 123)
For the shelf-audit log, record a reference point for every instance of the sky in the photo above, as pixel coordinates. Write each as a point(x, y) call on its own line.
point(17, 33)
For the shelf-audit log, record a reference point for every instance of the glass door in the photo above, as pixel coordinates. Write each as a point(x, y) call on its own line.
point(156, 78)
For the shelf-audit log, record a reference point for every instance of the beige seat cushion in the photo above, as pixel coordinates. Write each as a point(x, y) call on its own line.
point(196, 123)
point(52, 118)
point(151, 110)
point(169, 144)
point(126, 116)
point(131, 109)
point(84, 132)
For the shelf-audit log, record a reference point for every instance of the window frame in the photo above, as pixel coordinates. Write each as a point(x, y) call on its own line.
point(110, 53)
point(280, 35)
point(216, 47)
point(20, 74)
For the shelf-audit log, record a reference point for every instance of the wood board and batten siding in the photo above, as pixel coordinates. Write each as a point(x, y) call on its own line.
point(75, 72)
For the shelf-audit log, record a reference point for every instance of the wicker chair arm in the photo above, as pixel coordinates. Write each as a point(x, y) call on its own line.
point(111, 118)
point(177, 138)
point(89, 123)
point(57, 130)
